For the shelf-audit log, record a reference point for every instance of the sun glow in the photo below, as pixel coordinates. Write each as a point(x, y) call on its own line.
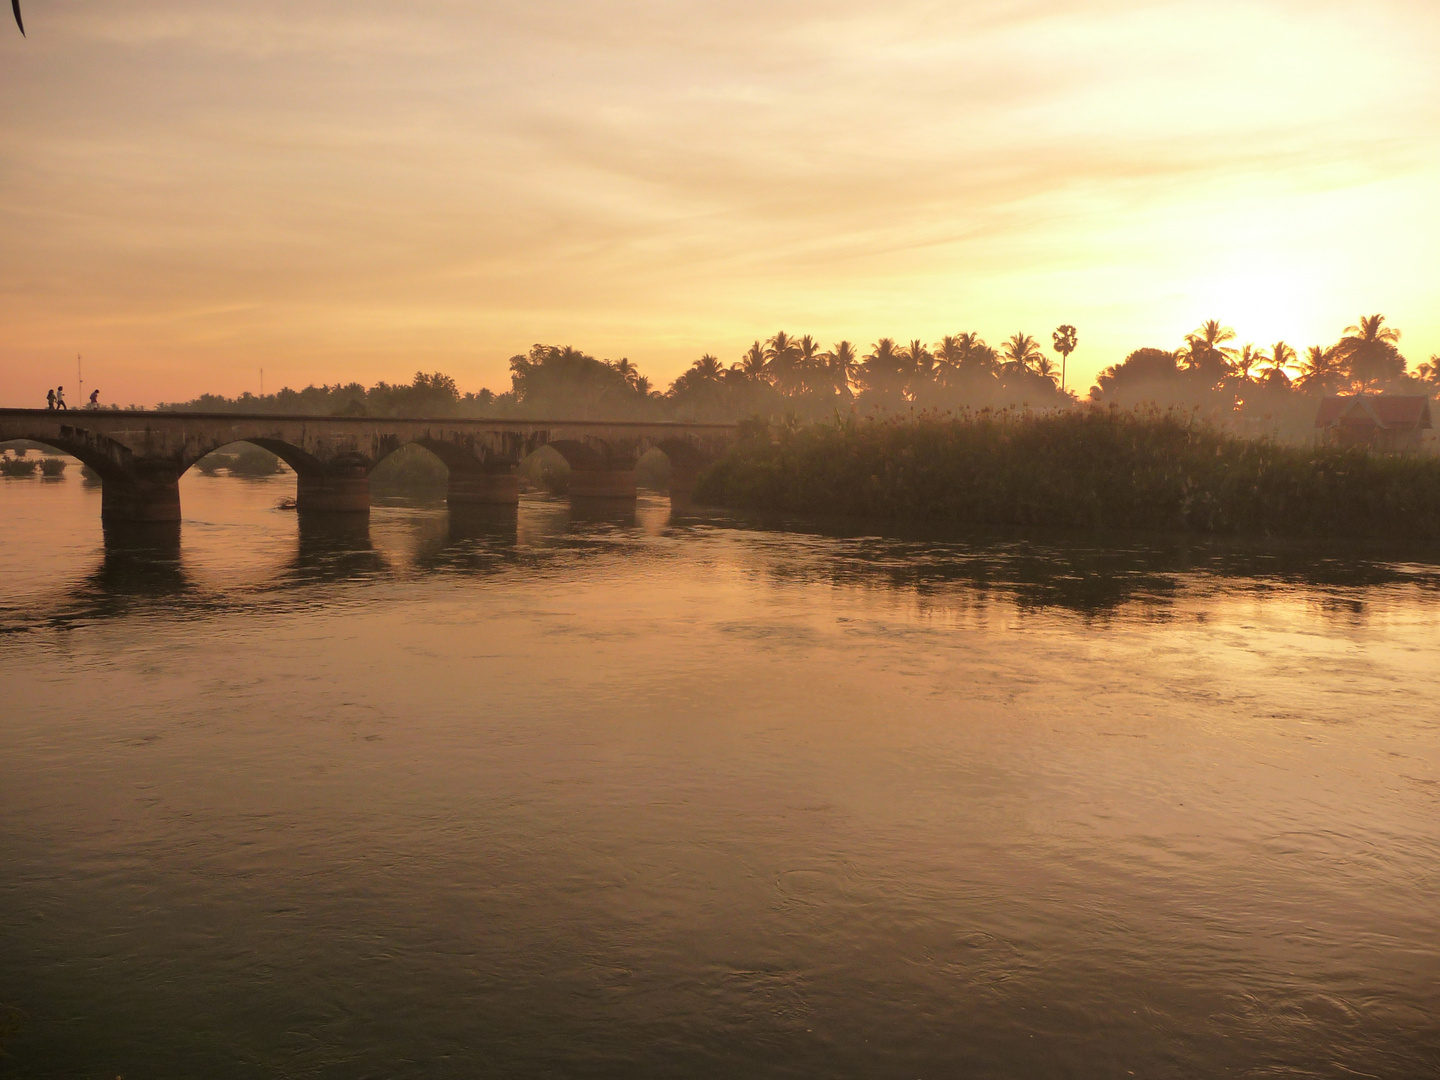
point(187, 205)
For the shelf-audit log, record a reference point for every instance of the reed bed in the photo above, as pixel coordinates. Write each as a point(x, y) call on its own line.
point(1087, 468)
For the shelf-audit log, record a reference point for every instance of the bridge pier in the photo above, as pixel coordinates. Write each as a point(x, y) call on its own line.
point(494, 488)
point(341, 490)
point(683, 479)
point(602, 483)
point(141, 455)
point(147, 492)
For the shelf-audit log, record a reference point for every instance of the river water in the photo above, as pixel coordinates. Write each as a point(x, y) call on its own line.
point(588, 795)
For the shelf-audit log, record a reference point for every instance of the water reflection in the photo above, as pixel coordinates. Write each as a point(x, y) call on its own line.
point(661, 796)
point(138, 560)
point(236, 545)
point(470, 539)
point(602, 511)
point(1096, 577)
point(334, 548)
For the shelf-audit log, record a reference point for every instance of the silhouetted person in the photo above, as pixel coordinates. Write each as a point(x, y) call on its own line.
point(94, 399)
point(50, 400)
point(60, 398)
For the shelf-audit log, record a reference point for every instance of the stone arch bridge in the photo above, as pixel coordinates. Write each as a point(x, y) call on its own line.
point(140, 456)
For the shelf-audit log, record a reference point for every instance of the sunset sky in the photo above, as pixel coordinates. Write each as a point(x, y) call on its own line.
point(191, 190)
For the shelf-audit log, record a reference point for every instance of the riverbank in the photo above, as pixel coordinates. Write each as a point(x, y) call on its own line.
point(1090, 468)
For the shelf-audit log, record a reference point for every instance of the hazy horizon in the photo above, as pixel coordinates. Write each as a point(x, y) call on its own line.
point(356, 191)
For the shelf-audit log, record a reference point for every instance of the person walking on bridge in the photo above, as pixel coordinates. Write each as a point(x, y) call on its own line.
point(94, 400)
point(60, 398)
point(50, 400)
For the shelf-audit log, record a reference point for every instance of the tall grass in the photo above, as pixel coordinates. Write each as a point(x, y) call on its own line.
point(1089, 467)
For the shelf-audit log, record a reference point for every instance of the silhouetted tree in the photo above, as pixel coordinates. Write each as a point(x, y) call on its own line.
point(1065, 339)
point(1429, 373)
point(810, 366)
point(1144, 375)
point(1245, 361)
point(1206, 353)
point(919, 364)
point(1320, 371)
point(566, 381)
point(782, 361)
point(882, 372)
point(752, 365)
point(1280, 359)
point(1021, 353)
point(1369, 353)
point(841, 366)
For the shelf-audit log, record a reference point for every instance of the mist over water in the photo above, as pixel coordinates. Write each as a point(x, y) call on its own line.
point(569, 793)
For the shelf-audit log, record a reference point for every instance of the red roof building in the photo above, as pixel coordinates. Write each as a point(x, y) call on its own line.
point(1391, 422)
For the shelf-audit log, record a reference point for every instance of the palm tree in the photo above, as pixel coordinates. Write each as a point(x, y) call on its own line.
point(980, 359)
point(782, 355)
point(1020, 354)
point(920, 359)
point(919, 365)
point(703, 381)
point(1205, 349)
point(883, 369)
point(708, 368)
point(1246, 360)
point(627, 370)
point(1320, 370)
point(1429, 372)
point(1045, 368)
point(1065, 339)
point(841, 365)
point(1369, 354)
point(949, 356)
point(751, 366)
point(808, 365)
point(1281, 356)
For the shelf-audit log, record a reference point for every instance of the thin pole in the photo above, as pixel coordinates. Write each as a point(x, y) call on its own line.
point(262, 382)
point(79, 375)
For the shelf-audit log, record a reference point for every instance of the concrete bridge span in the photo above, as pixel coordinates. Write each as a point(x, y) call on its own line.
point(140, 456)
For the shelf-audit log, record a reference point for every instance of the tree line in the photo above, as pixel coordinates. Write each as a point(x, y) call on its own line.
point(789, 376)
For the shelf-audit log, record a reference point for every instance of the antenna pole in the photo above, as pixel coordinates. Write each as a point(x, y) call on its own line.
point(80, 376)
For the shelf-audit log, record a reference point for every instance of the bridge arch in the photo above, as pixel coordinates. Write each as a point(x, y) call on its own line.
point(474, 475)
point(589, 456)
point(106, 461)
point(228, 449)
point(296, 458)
point(140, 455)
point(687, 462)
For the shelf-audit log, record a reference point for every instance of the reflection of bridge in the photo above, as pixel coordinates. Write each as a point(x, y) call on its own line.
point(139, 456)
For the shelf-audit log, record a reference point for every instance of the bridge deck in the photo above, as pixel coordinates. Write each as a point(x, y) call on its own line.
point(140, 455)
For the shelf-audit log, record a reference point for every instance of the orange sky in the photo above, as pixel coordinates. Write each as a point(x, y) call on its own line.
point(193, 189)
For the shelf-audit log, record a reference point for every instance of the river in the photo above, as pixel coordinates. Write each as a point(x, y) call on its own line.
point(591, 795)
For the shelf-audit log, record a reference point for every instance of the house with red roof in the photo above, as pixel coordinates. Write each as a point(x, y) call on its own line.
point(1390, 422)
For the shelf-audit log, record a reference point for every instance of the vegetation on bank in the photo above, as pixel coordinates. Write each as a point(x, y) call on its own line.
point(1259, 390)
point(17, 463)
point(240, 459)
point(1092, 467)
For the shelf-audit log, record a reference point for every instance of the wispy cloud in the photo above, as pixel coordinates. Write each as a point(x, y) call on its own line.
point(348, 187)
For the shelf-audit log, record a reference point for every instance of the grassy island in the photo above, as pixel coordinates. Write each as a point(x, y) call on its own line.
point(1088, 467)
